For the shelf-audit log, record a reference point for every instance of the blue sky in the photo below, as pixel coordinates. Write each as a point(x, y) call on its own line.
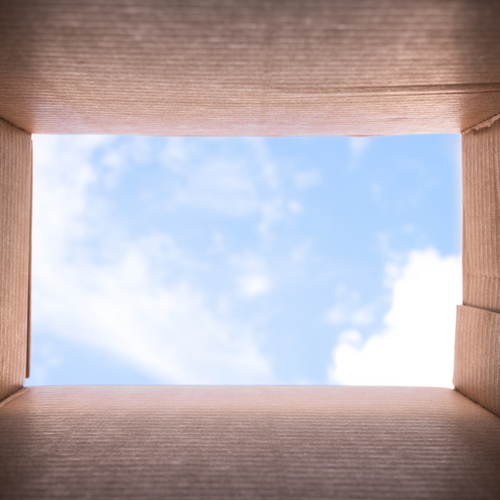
point(309, 260)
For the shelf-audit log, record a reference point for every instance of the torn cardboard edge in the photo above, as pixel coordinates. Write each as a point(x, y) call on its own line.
point(484, 124)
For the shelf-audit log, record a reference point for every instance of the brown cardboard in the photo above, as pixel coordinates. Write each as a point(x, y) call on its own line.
point(228, 67)
point(477, 342)
point(484, 124)
point(28, 343)
point(247, 442)
point(481, 209)
point(15, 230)
point(477, 356)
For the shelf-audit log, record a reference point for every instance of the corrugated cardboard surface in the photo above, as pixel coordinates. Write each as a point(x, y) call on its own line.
point(477, 343)
point(247, 442)
point(15, 231)
point(228, 67)
point(477, 356)
point(481, 228)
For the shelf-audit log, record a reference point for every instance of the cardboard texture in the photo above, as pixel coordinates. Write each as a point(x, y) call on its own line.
point(477, 356)
point(15, 231)
point(481, 209)
point(228, 67)
point(247, 442)
point(477, 342)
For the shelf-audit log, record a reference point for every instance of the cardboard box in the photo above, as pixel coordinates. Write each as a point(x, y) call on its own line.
point(226, 67)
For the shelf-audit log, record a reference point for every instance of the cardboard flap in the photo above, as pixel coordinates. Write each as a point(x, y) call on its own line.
point(188, 442)
point(477, 356)
point(229, 67)
point(15, 235)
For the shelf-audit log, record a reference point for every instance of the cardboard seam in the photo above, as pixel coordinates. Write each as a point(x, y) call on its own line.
point(465, 396)
point(343, 90)
point(14, 395)
point(473, 381)
point(481, 275)
point(484, 124)
point(14, 125)
point(481, 308)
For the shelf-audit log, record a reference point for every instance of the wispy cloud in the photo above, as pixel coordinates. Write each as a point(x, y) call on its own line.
point(307, 179)
point(254, 284)
point(358, 145)
point(416, 344)
point(347, 310)
point(95, 283)
point(214, 260)
point(228, 180)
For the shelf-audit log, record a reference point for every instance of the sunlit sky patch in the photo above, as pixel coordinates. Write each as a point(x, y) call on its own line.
point(245, 260)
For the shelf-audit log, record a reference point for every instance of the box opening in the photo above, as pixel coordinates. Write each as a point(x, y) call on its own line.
point(306, 260)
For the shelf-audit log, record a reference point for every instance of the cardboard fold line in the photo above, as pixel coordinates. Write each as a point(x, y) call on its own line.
point(477, 356)
point(13, 396)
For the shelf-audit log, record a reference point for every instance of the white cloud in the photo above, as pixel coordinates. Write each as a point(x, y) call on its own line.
point(363, 317)
point(254, 284)
point(253, 279)
point(351, 337)
point(307, 179)
point(416, 346)
point(347, 310)
point(358, 145)
point(243, 181)
point(246, 183)
point(345, 313)
point(48, 359)
point(113, 295)
point(295, 207)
